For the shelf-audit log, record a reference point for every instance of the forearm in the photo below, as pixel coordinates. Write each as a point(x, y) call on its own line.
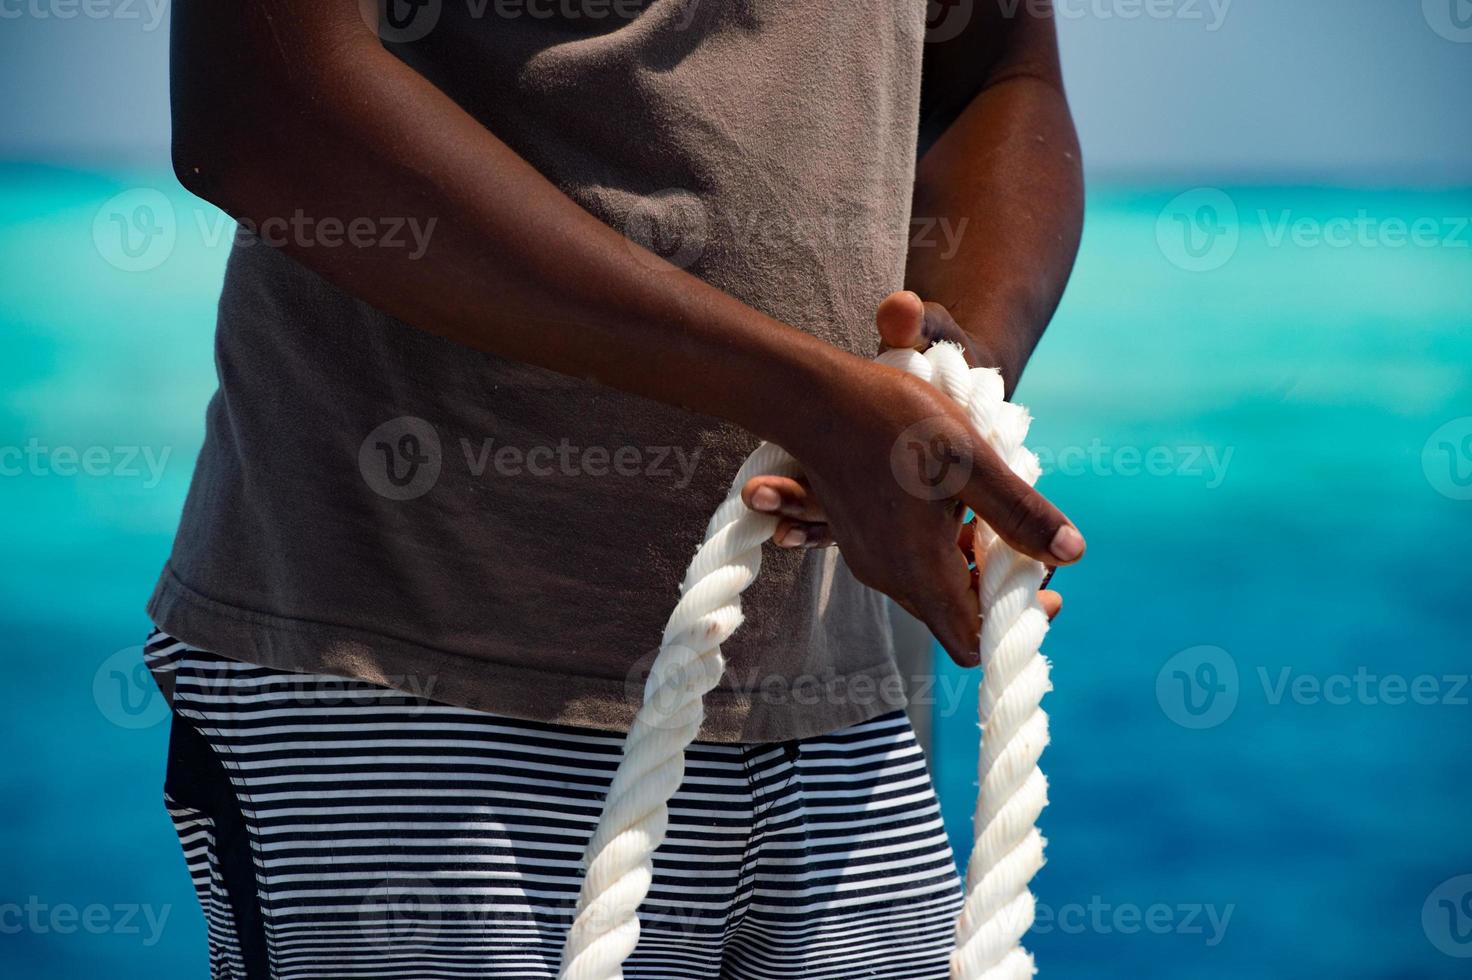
point(512, 266)
point(1002, 194)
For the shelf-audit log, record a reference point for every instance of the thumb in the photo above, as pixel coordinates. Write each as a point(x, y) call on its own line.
point(901, 320)
point(1019, 514)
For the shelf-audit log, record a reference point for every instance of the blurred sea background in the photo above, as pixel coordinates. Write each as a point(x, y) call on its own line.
point(1245, 450)
point(1256, 400)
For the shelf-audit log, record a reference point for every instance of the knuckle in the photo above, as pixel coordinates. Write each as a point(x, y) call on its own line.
point(1026, 513)
point(1017, 515)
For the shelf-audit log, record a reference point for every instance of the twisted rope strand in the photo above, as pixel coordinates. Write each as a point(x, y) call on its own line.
point(1008, 849)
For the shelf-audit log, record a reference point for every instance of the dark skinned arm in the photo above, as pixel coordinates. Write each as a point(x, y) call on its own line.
point(1001, 173)
point(998, 211)
point(293, 105)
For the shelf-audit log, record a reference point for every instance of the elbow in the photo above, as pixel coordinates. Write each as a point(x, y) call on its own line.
point(226, 165)
point(190, 167)
point(216, 144)
point(205, 161)
point(233, 155)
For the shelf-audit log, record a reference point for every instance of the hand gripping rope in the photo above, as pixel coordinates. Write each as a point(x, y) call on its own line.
point(1008, 848)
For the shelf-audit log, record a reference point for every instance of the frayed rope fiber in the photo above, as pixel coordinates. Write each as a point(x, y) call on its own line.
point(1008, 849)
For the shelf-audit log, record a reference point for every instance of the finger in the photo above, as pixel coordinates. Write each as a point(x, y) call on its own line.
point(1019, 514)
point(798, 534)
point(949, 608)
point(967, 542)
point(901, 321)
point(940, 325)
point(784, 496)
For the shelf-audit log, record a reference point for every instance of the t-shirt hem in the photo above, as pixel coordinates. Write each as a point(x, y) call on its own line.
point(512, 690)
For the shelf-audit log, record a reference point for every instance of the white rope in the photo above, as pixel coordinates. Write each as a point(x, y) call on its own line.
point(1008, 849)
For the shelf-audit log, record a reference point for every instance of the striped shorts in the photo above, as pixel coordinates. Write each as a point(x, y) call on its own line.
point(335, 829)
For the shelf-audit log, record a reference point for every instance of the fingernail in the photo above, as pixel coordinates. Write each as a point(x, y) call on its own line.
point(1067, 544)
point(766, 499)
point(794, 537)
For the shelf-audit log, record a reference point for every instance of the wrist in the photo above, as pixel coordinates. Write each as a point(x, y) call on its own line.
point(808, 401)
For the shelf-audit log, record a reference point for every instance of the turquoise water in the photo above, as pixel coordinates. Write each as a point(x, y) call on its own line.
point(1265, 453)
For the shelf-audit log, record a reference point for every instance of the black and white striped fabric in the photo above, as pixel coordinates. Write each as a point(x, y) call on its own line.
point(336, 830)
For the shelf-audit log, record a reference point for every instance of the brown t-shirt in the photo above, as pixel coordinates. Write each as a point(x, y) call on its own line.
point(375, 502)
